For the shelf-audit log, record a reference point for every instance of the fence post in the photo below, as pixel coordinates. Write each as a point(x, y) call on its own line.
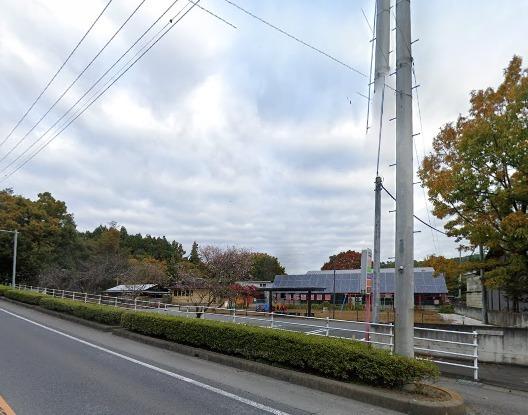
point(62, 296)
point(85, 297)
point(53, 292)
point(45, 291)
point(73, 296)
point(272, 319)
point(391, 338)
point(234, 315)
point(475, 355)
point(100, 298)
point(327, 326)
point(115, 302)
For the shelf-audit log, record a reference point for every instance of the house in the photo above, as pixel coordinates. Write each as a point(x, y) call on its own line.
point(348, 287)
point(191, 292)
point(147, 290)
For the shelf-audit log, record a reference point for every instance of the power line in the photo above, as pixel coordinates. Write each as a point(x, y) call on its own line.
point(100, 78)
point(56, 73)
point(214, 15)
point(416, 217)
point(174, 22)
point(74, 81)
point(302, 42)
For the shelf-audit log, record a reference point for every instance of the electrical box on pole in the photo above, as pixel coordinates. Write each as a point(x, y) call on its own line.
point(404, 240)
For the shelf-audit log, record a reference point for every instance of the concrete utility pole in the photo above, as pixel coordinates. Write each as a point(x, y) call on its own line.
point(404, 241)
point(13, 277)
point(381, 70)
point(484, 294)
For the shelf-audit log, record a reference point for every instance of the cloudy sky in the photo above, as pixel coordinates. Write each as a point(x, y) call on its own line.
point(236, 136)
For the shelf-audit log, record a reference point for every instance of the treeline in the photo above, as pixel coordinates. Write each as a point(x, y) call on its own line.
point(52, 252)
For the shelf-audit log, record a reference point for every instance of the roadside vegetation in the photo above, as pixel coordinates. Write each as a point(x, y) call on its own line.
point(344, 360)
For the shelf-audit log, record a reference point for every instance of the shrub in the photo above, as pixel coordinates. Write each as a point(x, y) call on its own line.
point(94, 312)
point(446, 309)
point(3, 289)
point(29, 297)
point(339, 359)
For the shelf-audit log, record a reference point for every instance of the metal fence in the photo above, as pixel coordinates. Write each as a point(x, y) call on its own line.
point(444, 347)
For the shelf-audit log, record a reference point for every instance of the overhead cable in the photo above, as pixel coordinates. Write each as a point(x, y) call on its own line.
point(73, 82)
point(174, 22)
point(284, 32)
point(416, 217)
point(100, 78)
point(56, 73)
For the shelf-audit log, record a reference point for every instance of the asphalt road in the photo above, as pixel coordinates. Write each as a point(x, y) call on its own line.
point(51, 366)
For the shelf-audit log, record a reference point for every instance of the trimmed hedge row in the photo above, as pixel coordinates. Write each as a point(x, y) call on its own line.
point(339, 359)
point(29, 297)
point(3, 289)
point(95, 312)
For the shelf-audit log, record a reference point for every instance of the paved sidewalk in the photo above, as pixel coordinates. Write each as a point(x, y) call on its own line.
point(506, 376)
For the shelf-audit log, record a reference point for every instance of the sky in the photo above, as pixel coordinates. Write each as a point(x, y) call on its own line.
point(237, 136)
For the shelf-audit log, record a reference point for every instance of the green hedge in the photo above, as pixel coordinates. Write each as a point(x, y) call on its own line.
point(100, 313)
point(3, 289)
point(29, 297)
point(339, 359)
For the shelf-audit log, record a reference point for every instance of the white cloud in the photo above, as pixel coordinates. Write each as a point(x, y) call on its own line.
point(240, 136)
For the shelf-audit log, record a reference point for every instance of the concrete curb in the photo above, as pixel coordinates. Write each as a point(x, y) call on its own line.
point(375, 396)
point(384, 398)
point(63, 316)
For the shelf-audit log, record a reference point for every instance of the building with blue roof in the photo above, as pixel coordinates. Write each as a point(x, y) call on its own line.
point(429, 289)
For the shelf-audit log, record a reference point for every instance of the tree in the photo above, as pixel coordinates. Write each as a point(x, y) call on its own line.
point(264, 267)
point(48, 235)
point(477, 178)
point(194, 256)
point(343, 260)
point(450, 268)
point(224, 267)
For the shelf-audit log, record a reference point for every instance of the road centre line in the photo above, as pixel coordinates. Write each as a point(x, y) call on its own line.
point(155, 368)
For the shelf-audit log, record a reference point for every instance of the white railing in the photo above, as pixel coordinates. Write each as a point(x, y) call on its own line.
point(432, 344)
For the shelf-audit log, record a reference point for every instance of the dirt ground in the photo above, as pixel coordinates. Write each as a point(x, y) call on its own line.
point(420, 316)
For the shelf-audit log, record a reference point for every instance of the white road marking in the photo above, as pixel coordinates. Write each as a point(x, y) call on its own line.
point(316, 331)
point(155, 368)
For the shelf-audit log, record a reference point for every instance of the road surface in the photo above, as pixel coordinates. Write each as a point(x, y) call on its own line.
point(51, 366)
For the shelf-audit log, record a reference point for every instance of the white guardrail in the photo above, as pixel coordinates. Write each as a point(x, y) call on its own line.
point(432, 344)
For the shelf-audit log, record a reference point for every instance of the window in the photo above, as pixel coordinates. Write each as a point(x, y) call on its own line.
point(183, 293)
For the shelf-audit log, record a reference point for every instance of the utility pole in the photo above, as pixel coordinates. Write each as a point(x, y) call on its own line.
point(404, 240)
point(460, 274)
point(381, 70)
point(13, 278)
point(484, 293)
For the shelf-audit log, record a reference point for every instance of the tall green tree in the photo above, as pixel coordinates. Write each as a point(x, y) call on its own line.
point(264, 267)
point(477, 176)
point(194, 256)
point(48, 235)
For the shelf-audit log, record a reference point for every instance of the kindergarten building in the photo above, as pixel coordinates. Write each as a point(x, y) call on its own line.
point(349, 287)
